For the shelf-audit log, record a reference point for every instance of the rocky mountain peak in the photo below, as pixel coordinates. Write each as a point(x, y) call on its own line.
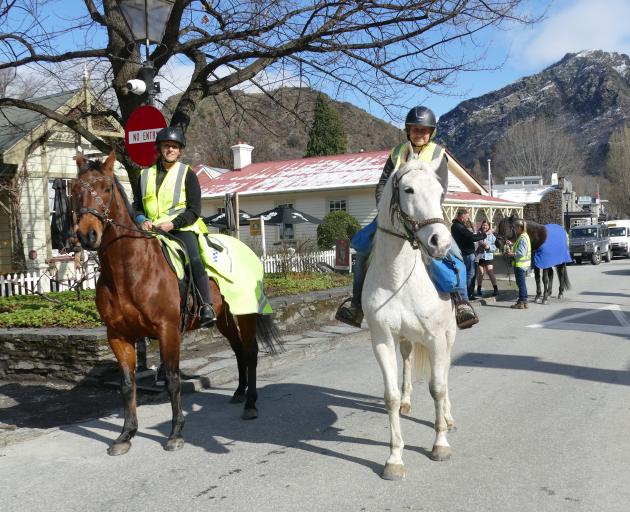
point(587, 93)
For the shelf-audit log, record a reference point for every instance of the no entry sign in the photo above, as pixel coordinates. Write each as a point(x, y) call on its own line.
point(143, 125)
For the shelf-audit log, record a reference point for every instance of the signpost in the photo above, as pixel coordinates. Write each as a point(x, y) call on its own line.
point(257, 227)
point(143, 125)
point(342, 255)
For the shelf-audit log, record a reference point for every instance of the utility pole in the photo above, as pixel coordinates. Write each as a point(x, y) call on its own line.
point(489, 177)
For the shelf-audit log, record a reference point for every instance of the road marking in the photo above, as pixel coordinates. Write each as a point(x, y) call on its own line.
point(565, 323)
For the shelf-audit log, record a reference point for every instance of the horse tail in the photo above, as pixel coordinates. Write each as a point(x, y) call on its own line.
point(563, 276)
point(421, 362)
point(267, 333)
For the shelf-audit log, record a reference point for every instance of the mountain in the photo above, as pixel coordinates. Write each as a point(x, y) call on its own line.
point(587, 93)
point(276, 123)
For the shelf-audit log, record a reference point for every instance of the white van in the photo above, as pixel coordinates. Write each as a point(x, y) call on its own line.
point(619, 233)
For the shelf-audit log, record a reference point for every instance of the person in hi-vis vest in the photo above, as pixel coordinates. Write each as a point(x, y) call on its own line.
point(522, 253)
point(167, 196)
point(420, 126)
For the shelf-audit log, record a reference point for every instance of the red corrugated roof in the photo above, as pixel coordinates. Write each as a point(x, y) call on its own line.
point(308, 174)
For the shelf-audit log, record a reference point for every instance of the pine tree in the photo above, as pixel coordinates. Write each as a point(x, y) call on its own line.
point(326, 136)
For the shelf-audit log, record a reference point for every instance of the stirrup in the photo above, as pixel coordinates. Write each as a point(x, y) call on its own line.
point(350, 315)
point(210, 318)
point(465, 314)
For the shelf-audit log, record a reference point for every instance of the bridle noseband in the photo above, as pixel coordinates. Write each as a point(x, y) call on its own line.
point(409, 224)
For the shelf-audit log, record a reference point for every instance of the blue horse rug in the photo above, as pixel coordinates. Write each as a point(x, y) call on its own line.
point(555, 250)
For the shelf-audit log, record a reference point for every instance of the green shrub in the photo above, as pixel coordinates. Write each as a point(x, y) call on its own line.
point(336, 226)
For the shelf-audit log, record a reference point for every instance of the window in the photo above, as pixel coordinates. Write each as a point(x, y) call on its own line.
point(51, 194)
point(337, 205)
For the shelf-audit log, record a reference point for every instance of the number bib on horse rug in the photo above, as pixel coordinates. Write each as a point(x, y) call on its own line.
point(238, 272)
point(555, 250)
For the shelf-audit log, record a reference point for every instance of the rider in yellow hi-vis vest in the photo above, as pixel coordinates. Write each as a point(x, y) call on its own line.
point(168, 197)
point(420, 125)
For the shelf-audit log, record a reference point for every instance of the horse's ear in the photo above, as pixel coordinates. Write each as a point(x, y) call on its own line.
point(79, 159)
point(406, 153)
point(108, 165)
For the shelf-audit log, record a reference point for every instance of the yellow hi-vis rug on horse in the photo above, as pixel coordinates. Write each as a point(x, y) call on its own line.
point(235, 268)
point(238, 272)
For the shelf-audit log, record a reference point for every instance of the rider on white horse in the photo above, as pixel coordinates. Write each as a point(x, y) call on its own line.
point(420, 125)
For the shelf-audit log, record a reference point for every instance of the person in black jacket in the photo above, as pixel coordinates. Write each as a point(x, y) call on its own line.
point(465, 240)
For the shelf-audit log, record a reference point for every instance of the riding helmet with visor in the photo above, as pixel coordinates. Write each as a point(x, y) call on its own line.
point(420, 116)
point(172, 134)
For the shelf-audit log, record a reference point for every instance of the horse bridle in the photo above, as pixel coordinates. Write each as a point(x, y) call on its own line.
point(410, 225)
point(103, 215)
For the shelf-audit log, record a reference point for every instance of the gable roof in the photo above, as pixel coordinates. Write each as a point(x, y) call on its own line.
point(338, 172)
point(16, 122)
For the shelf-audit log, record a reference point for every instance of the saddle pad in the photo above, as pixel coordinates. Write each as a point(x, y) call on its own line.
point(238, 272)
point(362, 240)
point(555, 250)
point(175, 255)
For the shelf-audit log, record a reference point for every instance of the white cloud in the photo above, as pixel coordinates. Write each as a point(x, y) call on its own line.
point(573, 26)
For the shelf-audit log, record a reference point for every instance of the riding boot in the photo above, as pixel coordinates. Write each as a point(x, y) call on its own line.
point(350, 315)
point(207, 316)
point(464, 313)
point(496, 291)
point(479, 291)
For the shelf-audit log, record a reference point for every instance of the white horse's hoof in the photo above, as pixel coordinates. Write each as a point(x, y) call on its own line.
point(441, 453)
point(545, 302)
point(393, 472)
point(405, 408)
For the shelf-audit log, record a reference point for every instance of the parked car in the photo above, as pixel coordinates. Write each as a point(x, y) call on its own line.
point(590, 243)
point(619, 234)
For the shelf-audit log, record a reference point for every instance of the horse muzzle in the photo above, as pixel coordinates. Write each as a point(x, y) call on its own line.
point(437, 244)
point(90, 240)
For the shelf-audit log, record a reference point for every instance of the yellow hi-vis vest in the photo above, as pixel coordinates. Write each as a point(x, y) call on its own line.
point(430, 152)
point(526, 260)
point(167, 203)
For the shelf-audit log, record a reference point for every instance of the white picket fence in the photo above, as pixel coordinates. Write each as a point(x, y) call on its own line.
point(36, 281)
point(296, 262)
point(27, 283)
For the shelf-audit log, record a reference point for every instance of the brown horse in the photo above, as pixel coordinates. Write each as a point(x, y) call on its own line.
point(137, 295)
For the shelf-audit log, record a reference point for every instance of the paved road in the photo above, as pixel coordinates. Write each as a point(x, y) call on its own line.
point(540, 398)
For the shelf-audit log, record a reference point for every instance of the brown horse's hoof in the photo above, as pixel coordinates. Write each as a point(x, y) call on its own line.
point(174, 444)
point(237, 399)
point(119, 448)
point(405, 408)
point(393, 472)
point(250, 414)
point(441, 453)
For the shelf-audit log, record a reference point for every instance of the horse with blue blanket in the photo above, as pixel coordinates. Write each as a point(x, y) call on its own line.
point(549, 249)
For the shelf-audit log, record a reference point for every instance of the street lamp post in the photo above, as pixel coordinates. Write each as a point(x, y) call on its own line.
point(146, 20)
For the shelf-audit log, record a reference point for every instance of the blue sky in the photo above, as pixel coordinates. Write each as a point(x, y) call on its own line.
point(569, 26)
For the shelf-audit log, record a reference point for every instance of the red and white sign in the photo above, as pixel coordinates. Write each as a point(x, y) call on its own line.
point(143, 125)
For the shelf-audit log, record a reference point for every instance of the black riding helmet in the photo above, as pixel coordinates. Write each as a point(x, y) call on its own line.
point(420, 116)
point(171, 133)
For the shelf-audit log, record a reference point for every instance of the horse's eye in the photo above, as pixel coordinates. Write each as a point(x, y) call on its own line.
point(409, 190)
point(108, 190)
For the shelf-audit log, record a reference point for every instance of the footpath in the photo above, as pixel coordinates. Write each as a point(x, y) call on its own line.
point(32, 408)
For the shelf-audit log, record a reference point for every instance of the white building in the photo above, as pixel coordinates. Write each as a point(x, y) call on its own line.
point(320, 185)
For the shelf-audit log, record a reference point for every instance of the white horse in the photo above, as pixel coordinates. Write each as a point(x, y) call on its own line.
point(401, 303)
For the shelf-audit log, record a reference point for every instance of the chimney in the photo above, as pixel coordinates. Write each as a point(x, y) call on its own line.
point(242, 155)
point(554, 178)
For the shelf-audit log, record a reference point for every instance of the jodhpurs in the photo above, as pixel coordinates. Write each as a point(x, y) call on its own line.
point(198, 270)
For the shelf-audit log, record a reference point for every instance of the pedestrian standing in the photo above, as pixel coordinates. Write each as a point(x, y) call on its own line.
point(465, 240)
point(521, 251)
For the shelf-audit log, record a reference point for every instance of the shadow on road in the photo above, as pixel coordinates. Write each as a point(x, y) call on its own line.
point(534, 364)
point(292, 416)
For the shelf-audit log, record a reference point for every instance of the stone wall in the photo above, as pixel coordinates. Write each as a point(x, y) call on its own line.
point(548, 211)
point(74, 354)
